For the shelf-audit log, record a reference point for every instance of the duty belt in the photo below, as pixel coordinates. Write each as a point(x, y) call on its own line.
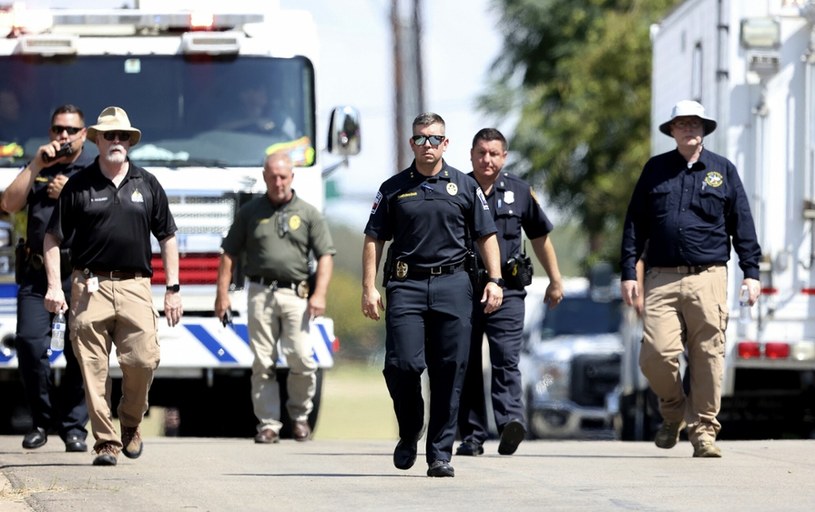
point(688, 269)
point(109, 274)
point(269, 281)
point(402, 270)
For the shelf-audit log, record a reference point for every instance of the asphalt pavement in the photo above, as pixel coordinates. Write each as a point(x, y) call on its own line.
point(194, 474)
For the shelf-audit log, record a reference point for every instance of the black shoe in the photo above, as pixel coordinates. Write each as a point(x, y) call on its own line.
point(511, 436)
point(440, 468)
point(35, 439)
point(471, 448)
point(404, 456)
point(75, 443)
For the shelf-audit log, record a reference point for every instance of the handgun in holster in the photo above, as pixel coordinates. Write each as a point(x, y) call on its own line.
point(387, 269)
point(517, 272)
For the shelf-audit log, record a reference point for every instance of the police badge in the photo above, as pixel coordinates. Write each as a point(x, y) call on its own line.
point(401, 269)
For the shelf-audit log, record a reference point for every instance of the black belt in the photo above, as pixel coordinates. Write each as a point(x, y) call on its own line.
point(423, 272)
point(688, 269)
point(269, 281)
point(109, 274)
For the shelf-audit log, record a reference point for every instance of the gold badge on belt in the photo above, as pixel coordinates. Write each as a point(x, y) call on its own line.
point(401, 269)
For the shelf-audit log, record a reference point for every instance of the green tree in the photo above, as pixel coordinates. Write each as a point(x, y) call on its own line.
point(578, 73)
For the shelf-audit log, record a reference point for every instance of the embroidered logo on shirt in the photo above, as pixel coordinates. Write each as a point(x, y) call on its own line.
point(452, 189)
point(136, 197)
point(294, 222)
point(714, 179)
point(377, 200)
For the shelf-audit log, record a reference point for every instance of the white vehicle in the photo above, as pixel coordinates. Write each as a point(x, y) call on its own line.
point(570, 364)
point(752, 65)
point(182, 76)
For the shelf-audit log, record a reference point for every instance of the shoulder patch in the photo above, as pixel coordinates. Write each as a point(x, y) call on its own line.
point(714, 179)
point(480, 195)
point(377, 200)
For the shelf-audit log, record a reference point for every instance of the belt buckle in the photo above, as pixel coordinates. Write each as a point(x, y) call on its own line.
point(435, 271)
point(401, 269)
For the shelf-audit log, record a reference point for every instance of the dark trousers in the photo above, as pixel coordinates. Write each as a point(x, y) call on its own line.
point(67, 413)
point(428, 326)
point(504, 330)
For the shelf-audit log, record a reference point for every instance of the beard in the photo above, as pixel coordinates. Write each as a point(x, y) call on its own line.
point(115, 155)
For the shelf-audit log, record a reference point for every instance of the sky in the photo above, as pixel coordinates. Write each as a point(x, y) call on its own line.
point(355, 68)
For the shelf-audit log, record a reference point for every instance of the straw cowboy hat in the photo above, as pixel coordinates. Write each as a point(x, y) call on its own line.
point(114, 119)
point(688, 108)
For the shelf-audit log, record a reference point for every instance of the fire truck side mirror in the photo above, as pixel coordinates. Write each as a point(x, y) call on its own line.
point(344, 137)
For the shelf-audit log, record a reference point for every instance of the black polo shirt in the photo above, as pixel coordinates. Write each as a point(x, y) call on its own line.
point(430, 219)
point(111, 227)
point(515, 207)
point(40, 206)
point(688, 215)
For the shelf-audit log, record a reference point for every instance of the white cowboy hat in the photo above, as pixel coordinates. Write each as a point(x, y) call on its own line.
point(114, 119)
point(688, 108)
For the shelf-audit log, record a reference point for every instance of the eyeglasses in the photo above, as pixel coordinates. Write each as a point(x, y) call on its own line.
point(72, 130)
point(691, 123)
point(113, 135)
point(435, 140)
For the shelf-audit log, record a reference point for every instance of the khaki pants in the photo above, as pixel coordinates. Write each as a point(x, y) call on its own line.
point(279, 326)
point(121, 313)
point(686, 312)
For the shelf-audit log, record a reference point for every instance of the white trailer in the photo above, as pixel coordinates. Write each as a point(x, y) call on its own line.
point(181, 75)
point(751, 64)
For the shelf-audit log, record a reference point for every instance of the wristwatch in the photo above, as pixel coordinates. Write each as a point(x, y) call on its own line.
point(175, 288)
point(497, 280)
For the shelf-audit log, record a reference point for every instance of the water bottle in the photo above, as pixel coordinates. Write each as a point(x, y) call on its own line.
point(58, 332)
point(745, 313)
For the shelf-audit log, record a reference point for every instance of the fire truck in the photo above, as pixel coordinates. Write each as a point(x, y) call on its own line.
point(213, 93)
point(752, 65)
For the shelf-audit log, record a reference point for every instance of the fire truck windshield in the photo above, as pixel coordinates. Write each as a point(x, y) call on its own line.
point(192, 111)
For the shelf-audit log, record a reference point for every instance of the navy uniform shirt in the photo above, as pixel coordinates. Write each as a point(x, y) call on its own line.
point(40, 206)
point(430, 218)
point(688, 215)
point(111, 227)
point(514, 206)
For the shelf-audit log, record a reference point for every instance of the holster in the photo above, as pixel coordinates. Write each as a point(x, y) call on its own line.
point(517, 272)
point(387, 269)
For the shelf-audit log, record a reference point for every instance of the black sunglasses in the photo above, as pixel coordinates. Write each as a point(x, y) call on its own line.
point(72, 130)
point(115, 134)
point(435, 140)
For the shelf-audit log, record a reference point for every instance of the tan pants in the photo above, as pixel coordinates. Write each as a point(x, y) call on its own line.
point(121, 313)
point(686, 312)
point(278, 326)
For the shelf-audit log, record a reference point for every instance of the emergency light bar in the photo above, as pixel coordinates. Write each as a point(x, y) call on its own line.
point(143, 20)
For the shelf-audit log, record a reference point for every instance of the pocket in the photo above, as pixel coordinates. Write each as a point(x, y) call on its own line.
point(659, 198)
point(709, 203)
point(509, 224)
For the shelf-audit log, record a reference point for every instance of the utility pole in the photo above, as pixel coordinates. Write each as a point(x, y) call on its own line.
point(408, 76)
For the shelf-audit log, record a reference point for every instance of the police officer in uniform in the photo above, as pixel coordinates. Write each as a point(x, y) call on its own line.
point(514, 207)
point(38, 186)
point(276, 233)
point(432, 212)
point(687, 206)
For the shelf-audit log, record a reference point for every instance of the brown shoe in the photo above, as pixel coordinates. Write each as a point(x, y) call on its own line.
point(300, 431)
point(131, 442)
point(707, 449)
point(267, 436)
point(106, 455)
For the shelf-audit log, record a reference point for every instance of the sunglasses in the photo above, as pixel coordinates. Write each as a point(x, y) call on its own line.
point(435, 140)
point(113, 135)
point(72, 130)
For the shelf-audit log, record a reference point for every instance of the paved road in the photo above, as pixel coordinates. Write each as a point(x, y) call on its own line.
point(178, 474)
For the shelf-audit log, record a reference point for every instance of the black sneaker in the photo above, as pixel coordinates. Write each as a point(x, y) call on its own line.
point(440, 468)
point(511, 436)
point(470, 448)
